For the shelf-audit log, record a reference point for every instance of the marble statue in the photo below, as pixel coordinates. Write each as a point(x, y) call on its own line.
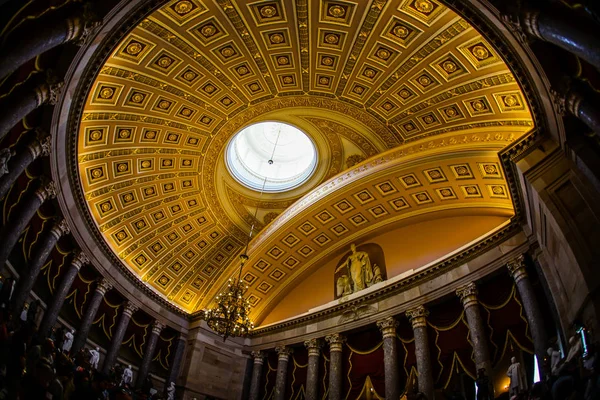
point(360, 273)
point(518, 382)
point(94, 357)
point(5, 155)
point(554, 360)
point(68, 342)
point(171, 391)
point(127, 377)
point(23, 315)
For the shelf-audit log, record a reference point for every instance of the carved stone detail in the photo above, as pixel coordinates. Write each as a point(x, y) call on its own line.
point(130, 308)
point(61, 228)
point(259, 357)
point(388, 327)
point(80, 260)
point(335, 341)
point(283, 352)
point(558, 102)
point(157, 327)
point(314, 346)
point(103, 287)
point(357, 312)
point(516, 268)
point(468, 294)
point(418, 316)
point(47, 191)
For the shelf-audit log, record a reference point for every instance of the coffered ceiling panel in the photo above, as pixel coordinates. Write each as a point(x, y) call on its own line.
point(359, 77)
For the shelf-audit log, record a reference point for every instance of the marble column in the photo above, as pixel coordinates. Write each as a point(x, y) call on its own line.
point(157, 327)
point(16, 164)
point(259, 360)
point(336, 342)
point(533, 313)
point(283, 355)
point(584, 103)
point(418, 319)
point(468, 297)
point(176, 363)
point(41, 252)
point(117, 338)
point(26, 98)
point(565, 28)
point(20, 217)
point(312, 373)
point(60, 294)
point(390, 357)
point(90, 313)
point(49, 30)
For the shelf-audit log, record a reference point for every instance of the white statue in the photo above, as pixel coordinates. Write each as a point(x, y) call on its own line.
point(23, 315)
point(360, 273)
point(68, 341)
point(518, 382)
point(127, 376)
point(95, 357)
point(171, 391)
point(554, 360)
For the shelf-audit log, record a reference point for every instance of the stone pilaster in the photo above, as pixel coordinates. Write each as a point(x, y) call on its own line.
point(390, 357)
point(58, 298)
point(312, 374)
point(39, 146)
point(90, 313)
point(40, 254)
point(418, 319)
point(283, 355)
point(149, 350)
point(259, 360)
point(20, 217)
point(117, 339)
point(176, 363)
point(336, 343)
point(468, 297)
point(533, 313)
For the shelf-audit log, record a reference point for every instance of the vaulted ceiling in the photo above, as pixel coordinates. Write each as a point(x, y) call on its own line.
point(407, 85)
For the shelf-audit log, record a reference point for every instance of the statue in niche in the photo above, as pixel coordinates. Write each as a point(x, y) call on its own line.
point(358, 270)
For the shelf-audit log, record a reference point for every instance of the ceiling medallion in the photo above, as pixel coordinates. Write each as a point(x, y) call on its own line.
point(183, 7)
point(268, 11)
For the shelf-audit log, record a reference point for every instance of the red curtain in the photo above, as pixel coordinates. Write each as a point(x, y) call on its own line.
point(267, 387)
point(363, 357)
point(296, 374)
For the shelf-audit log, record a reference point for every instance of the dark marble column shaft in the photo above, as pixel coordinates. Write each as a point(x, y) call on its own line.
point(565, 28)
point(117, 338)
point(42, 34)
point(312, 373)
point(390, 357)
point(418, 318)
point(282, 363)
point(584, 103)
point(60, 294)
point(17, 163)
point(89, 315)
point(468, 297)
point(533, 313)
point(259, 359)
point(177, 358)
point(336, 342)
point(20, 217)
point(149, 350)
point(24, 99)
point(40, 254)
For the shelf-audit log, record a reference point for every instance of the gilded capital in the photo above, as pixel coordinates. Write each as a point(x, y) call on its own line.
point(283, 352)
point(103, 287)
point(516, 268)
point(47, 191)
point(259, 357)
point(467, 294)
point(418, 316)
point(388, 327)
point(157, 327)
point(313, 346)
point(130, 308)
point(335, 341)
point(80, 260)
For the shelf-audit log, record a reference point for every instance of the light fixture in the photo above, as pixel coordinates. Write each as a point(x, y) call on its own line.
point(230, 317)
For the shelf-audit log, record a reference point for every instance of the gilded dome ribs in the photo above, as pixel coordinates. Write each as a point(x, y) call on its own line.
point(303, 29)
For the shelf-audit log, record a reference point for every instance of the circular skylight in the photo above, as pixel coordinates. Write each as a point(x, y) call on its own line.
point(280, 153)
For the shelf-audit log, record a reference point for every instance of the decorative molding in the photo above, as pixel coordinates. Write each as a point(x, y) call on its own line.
point(131, 308)
point(103, 286)
point(61, 228)
point(516, 268)
point(357, 312)
point(259, 357)
point(418, 316)
point(283, 352)
point(388, 327)
point(314, 347)
point(80, 260)
point(47, 191)
point(468, 294)
point(336, 341)
point(157, 327)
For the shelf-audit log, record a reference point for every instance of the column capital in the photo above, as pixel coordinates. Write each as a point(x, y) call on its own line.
point(60, 228)
point(468, 294)
point(284, 352)
point(259, 357)
point(418, 316)
point(314, 346)
point(129, 308)
point(530, 22)
point(516, 267)
point(83, 26)
point(46, 191)
point(103, 286)
point(335, 340)
point(157, 327)
point(388, 327)
point(80, 260)
point(5, 155)
point(41, 144)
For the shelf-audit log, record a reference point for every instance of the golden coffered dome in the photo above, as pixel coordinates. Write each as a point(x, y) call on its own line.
point(410, 81)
